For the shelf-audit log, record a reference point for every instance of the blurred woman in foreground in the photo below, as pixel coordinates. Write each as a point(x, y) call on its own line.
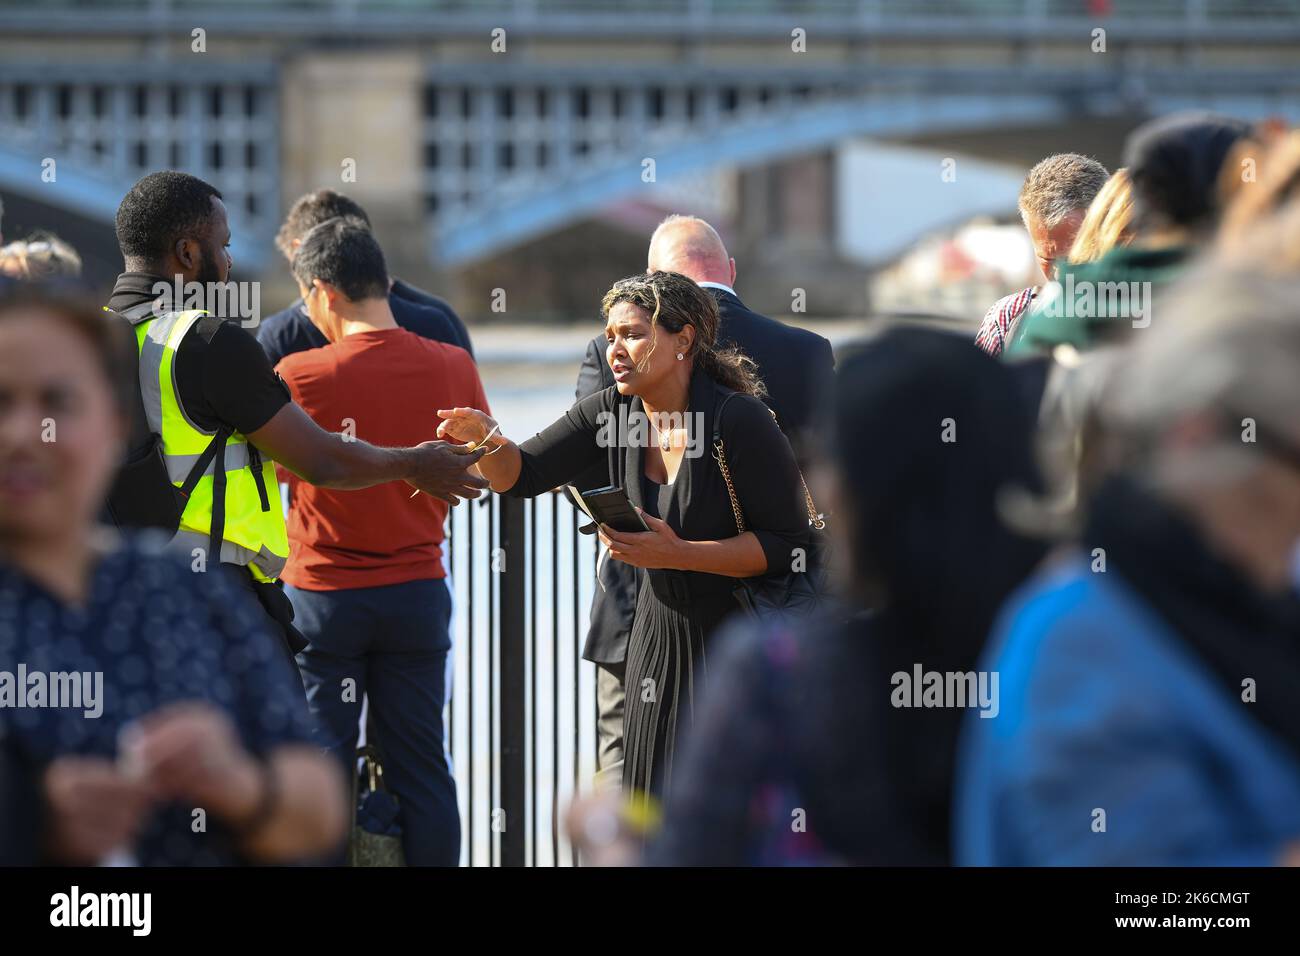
point(175, 696)
point(819, 744)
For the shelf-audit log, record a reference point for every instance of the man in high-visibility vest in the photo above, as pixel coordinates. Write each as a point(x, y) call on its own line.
point(220, 415)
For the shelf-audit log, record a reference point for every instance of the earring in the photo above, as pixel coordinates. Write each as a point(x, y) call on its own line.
point(680, 356)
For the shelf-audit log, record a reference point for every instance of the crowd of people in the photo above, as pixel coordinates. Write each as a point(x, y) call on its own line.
point(1030, 599)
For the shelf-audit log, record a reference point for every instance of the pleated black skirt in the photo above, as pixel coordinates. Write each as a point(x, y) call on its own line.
point(667, 669)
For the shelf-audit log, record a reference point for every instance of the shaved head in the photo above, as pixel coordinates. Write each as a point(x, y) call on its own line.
point(692, 247)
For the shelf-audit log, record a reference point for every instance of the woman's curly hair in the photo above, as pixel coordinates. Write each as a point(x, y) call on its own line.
point(674, 301)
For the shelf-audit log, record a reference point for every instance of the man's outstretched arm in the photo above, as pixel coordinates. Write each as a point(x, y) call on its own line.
point(330, 460)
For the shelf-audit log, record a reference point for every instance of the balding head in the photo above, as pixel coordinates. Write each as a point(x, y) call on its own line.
point(692, 247)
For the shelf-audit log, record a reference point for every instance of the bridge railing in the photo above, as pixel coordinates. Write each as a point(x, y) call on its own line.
point(451, 16)
point(101, 124)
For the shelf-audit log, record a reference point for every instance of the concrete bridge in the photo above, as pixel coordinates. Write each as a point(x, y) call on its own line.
point(469, 128)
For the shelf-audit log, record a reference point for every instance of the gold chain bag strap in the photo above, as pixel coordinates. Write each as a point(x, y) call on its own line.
point(815, 518)
point(771, 594)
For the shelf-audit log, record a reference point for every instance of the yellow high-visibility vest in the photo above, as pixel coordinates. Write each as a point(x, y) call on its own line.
point(251, 525)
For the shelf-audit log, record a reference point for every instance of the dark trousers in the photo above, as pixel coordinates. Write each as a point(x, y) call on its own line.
point(391, 644)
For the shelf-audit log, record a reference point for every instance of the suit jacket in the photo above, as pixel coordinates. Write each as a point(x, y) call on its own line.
point(404, 290)
point(797, 367)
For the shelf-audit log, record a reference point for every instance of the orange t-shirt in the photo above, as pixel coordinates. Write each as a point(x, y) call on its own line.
point(389, 383)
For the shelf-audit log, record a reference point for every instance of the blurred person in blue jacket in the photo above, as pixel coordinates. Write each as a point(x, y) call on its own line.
point(1147, 712)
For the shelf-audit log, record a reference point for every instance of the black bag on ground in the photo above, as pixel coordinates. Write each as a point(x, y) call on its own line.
point(376, 838)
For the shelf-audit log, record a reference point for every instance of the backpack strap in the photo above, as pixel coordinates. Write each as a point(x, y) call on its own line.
point(217, 524)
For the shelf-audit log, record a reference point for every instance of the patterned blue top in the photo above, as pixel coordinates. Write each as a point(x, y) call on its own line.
point(156, 633)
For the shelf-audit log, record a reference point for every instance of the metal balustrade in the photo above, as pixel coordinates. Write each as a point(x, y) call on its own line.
point(522, 716)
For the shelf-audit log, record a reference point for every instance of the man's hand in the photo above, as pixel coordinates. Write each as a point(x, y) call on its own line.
point(330, 460)
point(443, 471)
point(94, 808)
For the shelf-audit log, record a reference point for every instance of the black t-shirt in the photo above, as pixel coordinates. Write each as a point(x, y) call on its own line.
point(222, 374)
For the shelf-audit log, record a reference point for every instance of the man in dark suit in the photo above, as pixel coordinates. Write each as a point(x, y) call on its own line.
point(796, 365)
point(415, 310)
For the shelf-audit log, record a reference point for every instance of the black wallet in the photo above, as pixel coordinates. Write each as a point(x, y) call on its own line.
point(608, 506)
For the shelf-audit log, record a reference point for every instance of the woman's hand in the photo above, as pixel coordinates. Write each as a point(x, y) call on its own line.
point(190, 750)
point(466, 425)
point(657, 548)
point(93, 808)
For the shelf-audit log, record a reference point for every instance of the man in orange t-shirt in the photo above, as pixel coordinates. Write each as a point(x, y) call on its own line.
point(365, 571)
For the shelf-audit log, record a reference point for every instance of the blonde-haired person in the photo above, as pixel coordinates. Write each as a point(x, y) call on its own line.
point(1270, 247)
point(1265, 178)
point(1108, 222)
point(653, 431)
point(39, 258)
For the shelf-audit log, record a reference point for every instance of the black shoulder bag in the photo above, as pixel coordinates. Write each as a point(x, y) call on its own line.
point(777, 593)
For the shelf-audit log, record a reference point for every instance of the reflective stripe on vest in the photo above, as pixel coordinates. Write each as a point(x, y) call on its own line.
point(254, 533)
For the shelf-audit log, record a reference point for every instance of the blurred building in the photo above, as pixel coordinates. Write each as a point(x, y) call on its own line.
point(530, 144)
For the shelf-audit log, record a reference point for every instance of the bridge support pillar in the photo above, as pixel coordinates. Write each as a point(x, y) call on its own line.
point(352, 122)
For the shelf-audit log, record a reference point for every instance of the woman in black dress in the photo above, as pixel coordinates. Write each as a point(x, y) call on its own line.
point(654, 430)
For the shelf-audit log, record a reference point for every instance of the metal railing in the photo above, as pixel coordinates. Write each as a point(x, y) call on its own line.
point(1204, 18)
point(521, 723)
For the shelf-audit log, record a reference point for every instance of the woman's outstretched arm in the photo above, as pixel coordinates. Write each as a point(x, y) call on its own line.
point(565, 448)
